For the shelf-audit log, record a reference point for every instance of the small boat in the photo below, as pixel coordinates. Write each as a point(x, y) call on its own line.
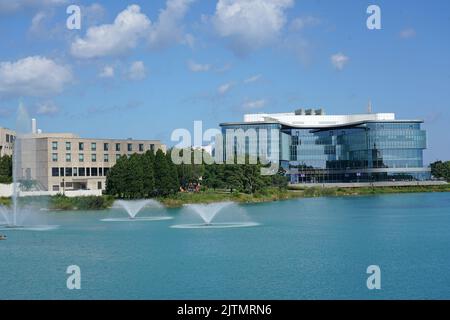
point(3, 237)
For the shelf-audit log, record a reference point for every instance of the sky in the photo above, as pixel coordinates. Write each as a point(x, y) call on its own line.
point(142, 69)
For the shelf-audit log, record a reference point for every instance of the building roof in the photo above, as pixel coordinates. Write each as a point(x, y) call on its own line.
point(316, 121)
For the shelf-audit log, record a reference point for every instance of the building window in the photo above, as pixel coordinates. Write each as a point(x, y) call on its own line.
point(55, 187)
point(81, 157)
point(61, 172)
point(68, 172)
point(75, 172)
point(55, 172)
point(88, 172)
point(68, 157)
point(54, 145)
point(152, 147)
point(94, 172)
point(7, 137)
point(99, 185)
point(130, 147)
point(105, 158)
point(93, 146)
point(94, 157)
point(117, 157)
point(81, 172)
point(81, 146)
point(54, 157)
point(68, 146)
point(117, 146)
point(141, 147)
point(105, 171)
point(105, 146)
point(100, 172)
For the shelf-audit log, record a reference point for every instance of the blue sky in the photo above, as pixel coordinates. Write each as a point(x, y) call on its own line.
point(144, 68)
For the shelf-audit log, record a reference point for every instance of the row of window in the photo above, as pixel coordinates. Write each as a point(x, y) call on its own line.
point(10, 138)
point(79, 172)
point(81, 157)
point(106, 146)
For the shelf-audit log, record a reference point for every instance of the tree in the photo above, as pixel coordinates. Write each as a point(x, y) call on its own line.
point(148, 176)
point(6, 169)
point(214, 176)
point(279, 180)
point(115, 180)
point(163, 176)
point(441, 169)
point(173, 183)
point(232, 177)
point(134, 177)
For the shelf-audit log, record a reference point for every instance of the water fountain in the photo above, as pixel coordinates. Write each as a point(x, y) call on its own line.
point(133, 207)
point(24, 167)
point(208, 213)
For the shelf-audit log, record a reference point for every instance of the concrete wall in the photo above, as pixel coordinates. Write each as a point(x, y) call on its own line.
point(6, 191)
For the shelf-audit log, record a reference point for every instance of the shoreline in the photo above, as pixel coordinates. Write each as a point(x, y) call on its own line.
point(62, 203)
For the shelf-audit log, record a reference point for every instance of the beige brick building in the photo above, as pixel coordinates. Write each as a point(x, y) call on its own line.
point(67, 162)
point(64, 162)
point(6, 142)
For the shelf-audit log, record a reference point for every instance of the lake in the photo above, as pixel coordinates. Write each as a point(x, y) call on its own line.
point(302, 249)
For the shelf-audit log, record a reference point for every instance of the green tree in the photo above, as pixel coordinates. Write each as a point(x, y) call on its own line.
point(441, 169)
point(115, 180)
point(134, 177)
point(214, 176)
point(232, 177)
point(5, 169)
point(163, 177)
point(148, 176)
point(279, 180)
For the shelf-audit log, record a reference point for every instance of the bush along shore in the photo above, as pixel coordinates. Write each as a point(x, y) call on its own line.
point(61, 202)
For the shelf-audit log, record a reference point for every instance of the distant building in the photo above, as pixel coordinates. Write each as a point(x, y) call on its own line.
point(6, 142)
point(316, 148)
point(65, 162)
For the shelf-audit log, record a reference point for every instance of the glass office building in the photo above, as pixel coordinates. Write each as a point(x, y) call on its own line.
point(316, 148)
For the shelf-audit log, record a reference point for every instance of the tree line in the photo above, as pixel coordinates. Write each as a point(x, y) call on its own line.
point(151, 175)
point(441, 170)
point(6, 169)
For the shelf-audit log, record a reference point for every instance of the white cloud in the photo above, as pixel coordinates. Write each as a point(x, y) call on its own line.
point(92, 14)
point(167, 30)
point(137, 71)
point(407, 33)
point(132, 26)
point(107, 72)
point(223, 89)
point(47, 108)
point(250, 24)
point(11, 6)
point(300, 23)
point(37, 21)
point(339, 60)
point(254, 104)
point(33, 76)
point(197, 67)
point(113, 39)
point(253, 78)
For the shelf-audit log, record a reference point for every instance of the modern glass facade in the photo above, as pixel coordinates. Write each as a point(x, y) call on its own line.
point(365, 152)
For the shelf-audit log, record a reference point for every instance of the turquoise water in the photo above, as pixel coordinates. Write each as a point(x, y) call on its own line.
point(303, 249)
